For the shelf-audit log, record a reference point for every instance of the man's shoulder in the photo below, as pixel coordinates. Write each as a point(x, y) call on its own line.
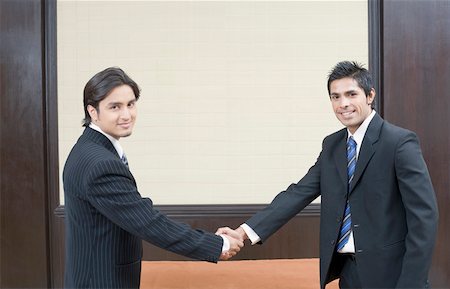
point(395, 130)
point(336, 136)
point(88, 146)
point(87, 152)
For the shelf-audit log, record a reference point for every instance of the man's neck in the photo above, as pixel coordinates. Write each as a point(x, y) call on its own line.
point(113, 140)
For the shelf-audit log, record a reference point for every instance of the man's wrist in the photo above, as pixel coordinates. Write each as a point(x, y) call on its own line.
point(226, 244)
point(250, 234)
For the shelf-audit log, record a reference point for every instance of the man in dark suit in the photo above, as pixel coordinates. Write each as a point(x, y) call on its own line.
point(106, 217)
point(378, 208)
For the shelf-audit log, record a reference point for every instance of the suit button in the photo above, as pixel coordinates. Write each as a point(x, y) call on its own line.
point(356, 225)
point(359, 251)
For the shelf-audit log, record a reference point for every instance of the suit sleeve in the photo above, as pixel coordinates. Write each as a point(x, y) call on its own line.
point(421, 212)
point(113, 192)
point(287, 204)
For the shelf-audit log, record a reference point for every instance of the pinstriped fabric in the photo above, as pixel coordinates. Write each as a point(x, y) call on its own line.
point(106, 219)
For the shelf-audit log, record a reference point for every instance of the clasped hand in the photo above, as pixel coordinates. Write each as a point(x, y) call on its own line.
point(236, 238)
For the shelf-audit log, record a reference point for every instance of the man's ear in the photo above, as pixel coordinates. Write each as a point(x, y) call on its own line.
point(92, 113)
point(371, 96)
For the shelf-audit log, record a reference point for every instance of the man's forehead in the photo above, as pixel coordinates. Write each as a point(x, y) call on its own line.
point(119, 97)
point(118, 100)
point(344, 85)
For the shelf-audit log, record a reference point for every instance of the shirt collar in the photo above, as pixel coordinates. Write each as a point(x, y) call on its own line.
point(359, 134)
point(114, 141)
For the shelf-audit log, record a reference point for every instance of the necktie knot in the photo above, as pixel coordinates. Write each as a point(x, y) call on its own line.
point(124, 160)
point(351, 142)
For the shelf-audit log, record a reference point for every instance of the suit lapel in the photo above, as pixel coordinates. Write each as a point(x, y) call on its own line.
point(340, 158)
point(368, 148)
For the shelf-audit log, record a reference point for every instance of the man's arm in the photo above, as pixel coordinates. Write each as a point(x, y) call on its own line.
point(112, 191)
point(286, 205)
point(283, 208)
point(421, 212)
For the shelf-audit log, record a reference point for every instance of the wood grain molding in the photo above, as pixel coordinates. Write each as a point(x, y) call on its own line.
point(214, 211)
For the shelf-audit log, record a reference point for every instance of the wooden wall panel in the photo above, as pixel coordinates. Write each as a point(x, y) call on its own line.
point(299, 238)
point(24, 246)
point(416, 71)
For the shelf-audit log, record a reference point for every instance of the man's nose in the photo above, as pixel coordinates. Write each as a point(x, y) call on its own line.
point(126, 114)
point(344, 102)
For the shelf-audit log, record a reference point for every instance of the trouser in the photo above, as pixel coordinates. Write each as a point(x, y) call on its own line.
point(348, 278)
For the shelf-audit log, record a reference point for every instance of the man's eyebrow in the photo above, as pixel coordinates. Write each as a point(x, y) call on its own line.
point(114, 103)
point(345, 92)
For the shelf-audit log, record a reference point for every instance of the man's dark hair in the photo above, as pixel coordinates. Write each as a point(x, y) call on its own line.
point(354, 70)
point(101, 84)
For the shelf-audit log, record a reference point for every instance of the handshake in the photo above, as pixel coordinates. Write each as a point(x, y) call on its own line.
point(236, 239)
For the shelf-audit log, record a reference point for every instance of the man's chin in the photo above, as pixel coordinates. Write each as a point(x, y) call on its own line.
point(126, 133)
point(345, 122)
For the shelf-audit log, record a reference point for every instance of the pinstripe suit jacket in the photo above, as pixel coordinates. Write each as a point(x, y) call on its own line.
point(106, 219)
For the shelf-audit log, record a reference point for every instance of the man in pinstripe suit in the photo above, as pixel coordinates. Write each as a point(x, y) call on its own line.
point(106, 217)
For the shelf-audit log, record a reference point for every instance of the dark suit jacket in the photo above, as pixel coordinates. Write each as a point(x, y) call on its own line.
point(106, 218)
point(393, 206)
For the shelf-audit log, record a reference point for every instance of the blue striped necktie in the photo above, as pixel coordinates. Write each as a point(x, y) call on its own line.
point(344, 233)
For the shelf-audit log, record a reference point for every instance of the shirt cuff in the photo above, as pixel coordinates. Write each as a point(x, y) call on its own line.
point(254, 238)
point(226, 244)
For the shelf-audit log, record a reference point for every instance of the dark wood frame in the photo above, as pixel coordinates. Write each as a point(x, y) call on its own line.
point(375, 17)
point(56, 226)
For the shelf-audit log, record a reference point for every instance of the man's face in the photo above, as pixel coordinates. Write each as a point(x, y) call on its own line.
point(350, 103)
point(116, 112)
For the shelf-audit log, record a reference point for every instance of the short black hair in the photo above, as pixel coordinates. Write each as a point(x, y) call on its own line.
point(354, 70)
point(101, 84)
